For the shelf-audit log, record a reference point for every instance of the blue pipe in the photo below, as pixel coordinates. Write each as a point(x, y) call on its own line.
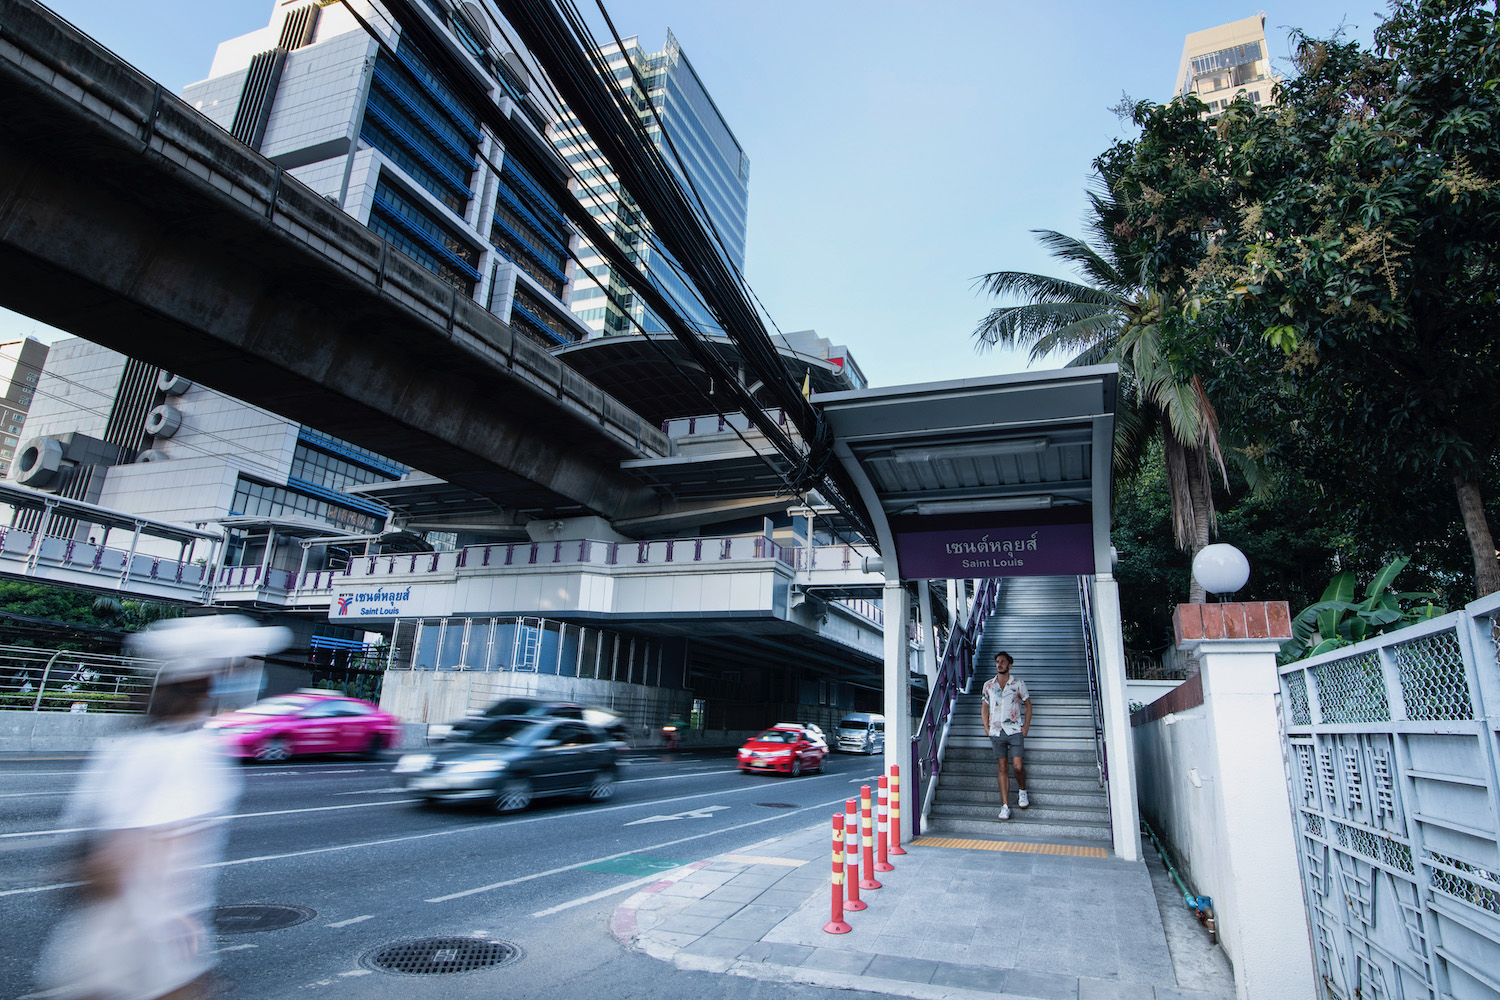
point(1202, 905)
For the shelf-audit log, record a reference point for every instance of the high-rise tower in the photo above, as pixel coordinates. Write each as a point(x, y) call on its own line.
point(697, 143)
point(1218, 64)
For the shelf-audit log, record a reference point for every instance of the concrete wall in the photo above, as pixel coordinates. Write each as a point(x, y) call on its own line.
point(60, 730)
point(1175, 784)
point(1146, 692)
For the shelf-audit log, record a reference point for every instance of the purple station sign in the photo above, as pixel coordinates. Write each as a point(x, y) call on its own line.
point(1043, 543)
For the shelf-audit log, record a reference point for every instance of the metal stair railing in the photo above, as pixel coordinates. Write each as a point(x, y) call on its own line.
point(1096, 700)
point(955, 671)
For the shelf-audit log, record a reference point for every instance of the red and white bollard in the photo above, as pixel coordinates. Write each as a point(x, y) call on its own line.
point(867, 826)
point(882, 828)
point(836, 923)
point(851, 857)
point(896, 810)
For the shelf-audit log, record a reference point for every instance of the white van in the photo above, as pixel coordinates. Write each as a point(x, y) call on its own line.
point(861, 732)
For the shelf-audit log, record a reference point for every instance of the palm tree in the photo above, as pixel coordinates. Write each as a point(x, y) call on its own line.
point(1114, 315)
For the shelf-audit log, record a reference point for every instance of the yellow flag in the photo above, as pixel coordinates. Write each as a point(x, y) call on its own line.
point(807, 386)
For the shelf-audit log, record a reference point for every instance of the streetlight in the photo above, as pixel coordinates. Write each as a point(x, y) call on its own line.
point(1221, 569)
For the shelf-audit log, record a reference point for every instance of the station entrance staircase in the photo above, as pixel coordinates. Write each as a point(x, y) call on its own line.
point(1039, 622)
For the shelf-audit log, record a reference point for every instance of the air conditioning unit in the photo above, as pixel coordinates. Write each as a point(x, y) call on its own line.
point(39, 462)
point(163, 421)
point(173, 385)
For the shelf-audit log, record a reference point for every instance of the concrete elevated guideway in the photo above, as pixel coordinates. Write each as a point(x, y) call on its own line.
point(130, 220)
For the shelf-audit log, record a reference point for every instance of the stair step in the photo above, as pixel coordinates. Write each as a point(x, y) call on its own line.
point(1058, 815)
point(1049, 773)
point(1017, 826)
point(980, 751)
point(962, 784)
point(972, 790)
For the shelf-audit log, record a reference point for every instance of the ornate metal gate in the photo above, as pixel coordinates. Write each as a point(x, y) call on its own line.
point(1392, 768)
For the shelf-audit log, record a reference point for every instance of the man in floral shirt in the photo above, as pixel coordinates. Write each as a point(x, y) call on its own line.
point(1006, 711)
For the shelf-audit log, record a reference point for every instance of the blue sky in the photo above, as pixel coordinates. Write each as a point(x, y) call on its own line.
point(897, 149)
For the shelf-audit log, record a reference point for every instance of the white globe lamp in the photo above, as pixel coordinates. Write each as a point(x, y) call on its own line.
point(1221, 569)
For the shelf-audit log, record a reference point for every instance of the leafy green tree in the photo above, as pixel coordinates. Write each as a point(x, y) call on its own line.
point(1338, 257)
point(1113, 315)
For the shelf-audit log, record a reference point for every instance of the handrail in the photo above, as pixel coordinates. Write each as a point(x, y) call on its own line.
point(1096, 701)
point(955, 671)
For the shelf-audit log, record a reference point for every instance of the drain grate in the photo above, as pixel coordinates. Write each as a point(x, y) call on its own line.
point(440, 956)
point(776, 805)
point(252, 918)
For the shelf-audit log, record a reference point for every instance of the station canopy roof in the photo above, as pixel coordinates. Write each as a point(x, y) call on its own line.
point(1001, 476)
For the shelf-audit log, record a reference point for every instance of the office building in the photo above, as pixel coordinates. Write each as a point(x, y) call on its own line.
point(685, 124)
point(358, 110)
point(20, 365)
point(1218, 64)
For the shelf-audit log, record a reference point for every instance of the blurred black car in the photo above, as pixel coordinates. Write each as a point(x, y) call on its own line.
point(610, 722)
point(511, 760)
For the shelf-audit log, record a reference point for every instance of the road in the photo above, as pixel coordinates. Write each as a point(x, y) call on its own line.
point(366, 867)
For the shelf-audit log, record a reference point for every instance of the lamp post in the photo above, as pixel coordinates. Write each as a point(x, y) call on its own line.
point(1221, 569)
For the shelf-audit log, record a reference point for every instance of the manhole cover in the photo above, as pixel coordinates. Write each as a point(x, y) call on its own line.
point(254, 917)
point(441, 956)
point(775, 805)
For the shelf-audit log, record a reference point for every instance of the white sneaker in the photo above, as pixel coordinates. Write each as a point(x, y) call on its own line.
point(1005, 812)
point(1021, 802)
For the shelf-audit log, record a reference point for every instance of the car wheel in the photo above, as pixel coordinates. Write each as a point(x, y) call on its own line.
point(796, 767)
point(602, 787)
point(374, 747)
point(515, 795)
point(821, 762)
point(274, 750)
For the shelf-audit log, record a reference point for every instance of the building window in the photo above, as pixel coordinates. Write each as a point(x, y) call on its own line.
point(415, 120)
point(263, 500)
point(403, 221)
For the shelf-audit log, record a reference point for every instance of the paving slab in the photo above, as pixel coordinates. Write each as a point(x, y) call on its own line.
point(1008, 922)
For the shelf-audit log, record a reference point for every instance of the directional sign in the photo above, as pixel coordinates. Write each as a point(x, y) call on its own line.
point(703, 813)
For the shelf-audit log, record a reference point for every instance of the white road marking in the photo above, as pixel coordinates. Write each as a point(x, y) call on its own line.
point(254, 815)
point(356, 972)
point(453, 832)
point(625, 854)
point(237, 947)
point(703, 813)
point(40, 888)
point(352, 920)
point(29, 795)
point(374, 791)
point(605, 894)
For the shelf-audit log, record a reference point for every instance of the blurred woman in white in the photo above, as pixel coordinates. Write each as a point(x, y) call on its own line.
point(153, 802)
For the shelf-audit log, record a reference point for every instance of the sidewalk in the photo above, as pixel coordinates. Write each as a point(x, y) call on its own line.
point(956, 919)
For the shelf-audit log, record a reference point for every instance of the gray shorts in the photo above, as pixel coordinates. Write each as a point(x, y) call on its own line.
point(1009, 745)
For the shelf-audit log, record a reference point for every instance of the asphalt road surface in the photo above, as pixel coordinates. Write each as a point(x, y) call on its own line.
point(365, 867)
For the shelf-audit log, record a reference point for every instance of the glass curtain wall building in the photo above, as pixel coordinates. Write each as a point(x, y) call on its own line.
point(703, 154)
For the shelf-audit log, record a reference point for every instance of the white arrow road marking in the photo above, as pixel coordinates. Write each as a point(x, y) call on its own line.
point(703, 813)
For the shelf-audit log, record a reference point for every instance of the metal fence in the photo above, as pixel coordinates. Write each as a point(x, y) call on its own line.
point(45, 680)
point(1393, 757)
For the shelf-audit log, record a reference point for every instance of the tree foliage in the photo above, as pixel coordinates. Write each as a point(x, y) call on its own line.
point(1337, 258)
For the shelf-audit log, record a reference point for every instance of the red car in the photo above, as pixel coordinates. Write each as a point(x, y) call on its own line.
point(785, 748)
point(306, 722)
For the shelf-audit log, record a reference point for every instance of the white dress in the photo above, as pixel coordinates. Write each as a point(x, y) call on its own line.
point(155, 800)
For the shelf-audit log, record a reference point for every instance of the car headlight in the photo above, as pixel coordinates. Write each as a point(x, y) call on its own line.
point(412, 762)
point(476, 766)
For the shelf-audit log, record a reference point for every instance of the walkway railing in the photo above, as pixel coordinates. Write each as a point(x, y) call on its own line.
point(45, 680)
point(955, 670)
point(1394, 773)
point(1091, 658)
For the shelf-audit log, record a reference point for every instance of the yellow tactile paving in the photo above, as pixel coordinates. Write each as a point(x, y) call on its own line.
point(1067, 850)
point(754, 859)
